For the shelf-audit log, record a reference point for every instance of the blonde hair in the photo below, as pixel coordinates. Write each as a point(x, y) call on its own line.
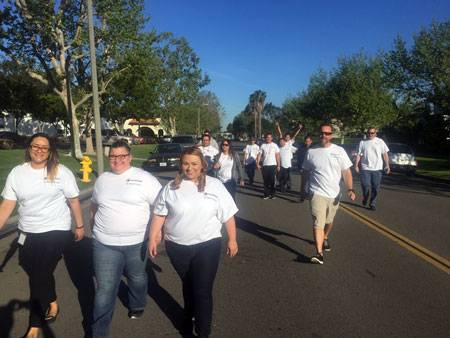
point(180, 175)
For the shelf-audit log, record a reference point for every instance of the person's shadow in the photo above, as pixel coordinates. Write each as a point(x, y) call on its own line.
point(13, 246)
point(79, 264)
point(164, 300)
point(268, 235)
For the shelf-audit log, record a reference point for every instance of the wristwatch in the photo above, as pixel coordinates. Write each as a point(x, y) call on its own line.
point(351, 190)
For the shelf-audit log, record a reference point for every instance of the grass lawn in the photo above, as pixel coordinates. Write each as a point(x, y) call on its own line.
point(436, 167)
point(10, 158)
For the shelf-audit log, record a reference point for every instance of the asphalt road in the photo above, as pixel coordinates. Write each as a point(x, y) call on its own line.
point(369, 285)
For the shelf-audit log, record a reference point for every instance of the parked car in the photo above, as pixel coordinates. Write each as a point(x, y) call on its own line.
point(185, 140)
point(10, 140)
point(165, 139)
point(165, 156)
point(402, 158)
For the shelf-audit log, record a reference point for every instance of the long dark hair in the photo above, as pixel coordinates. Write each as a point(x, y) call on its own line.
point(230, 149)
point(53, 157)
point(180, 176)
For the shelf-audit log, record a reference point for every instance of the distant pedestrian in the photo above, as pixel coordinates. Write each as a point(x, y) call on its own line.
point(190, 211)
point(326, 164)
point(290, 140)
point(212, 141)
point(286, 154)
point(269, 153)
point(46, 192)
point(301, 154)
point(208, 152)
point(371, 153)
point(251, 151)
point(228, 168)
point(120, 214)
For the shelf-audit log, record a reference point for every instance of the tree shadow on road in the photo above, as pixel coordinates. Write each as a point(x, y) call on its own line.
point(266, 233)
point(79, 264)
point(415, 185)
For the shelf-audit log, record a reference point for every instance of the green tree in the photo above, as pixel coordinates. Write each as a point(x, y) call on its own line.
point(49, 39)
point(420, 79)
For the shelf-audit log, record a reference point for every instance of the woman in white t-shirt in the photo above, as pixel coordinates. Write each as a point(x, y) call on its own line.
point(228, 167)
point(42, 187)
point(192, 208)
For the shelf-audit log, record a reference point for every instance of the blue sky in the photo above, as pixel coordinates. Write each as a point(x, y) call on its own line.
point(276, 45)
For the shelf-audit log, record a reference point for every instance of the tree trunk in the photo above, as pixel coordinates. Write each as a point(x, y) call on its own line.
point(89, 145)
point(172, 125)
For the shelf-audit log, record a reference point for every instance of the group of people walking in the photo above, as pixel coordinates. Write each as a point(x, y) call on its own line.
point(131, 213)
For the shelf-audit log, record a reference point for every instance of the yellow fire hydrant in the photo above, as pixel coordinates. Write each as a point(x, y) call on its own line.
point(86, 168)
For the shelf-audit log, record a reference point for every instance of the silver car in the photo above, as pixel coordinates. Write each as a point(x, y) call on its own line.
point(402, 158)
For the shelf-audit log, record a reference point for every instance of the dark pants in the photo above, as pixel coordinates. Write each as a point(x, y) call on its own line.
point(284, 178)
point(268, 173)
point(231, 187)
point(250, 171)
point(197, 266)
point(370, 183)
point(39, 256)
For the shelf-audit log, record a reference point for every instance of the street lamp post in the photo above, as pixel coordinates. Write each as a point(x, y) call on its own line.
point(98, 123)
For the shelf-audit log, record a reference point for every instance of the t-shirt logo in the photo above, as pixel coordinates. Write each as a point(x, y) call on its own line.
point(131, 181)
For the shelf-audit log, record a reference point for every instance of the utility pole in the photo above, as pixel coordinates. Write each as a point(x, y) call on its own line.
point(98, 122)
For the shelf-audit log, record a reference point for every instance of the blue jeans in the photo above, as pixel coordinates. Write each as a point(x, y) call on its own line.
point(110, 262)
point(370, 183)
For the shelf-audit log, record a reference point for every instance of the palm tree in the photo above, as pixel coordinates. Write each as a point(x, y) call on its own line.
point(256, 103)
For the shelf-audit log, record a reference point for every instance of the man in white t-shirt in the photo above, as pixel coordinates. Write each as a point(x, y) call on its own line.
point(325, 164)
point(270, 154)
point(371, 154)
point(250, 154)
point(290, 140)
point(286, 153)
point(209, 152)
point(120, 213)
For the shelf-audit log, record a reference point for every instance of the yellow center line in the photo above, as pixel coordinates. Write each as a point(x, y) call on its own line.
point(427, 255)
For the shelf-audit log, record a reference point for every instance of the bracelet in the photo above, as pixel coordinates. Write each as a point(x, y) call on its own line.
point(79, 227)
point(351, 190)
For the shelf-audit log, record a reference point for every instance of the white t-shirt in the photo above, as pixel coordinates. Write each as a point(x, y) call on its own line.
point(372, 153)
point(325, 165)
point(42, 203)
point(208, 153)
point(268, 151)
point(124, 206)
point(226, 168)
point(286, 154)
point(251, 152)
point(194, 217)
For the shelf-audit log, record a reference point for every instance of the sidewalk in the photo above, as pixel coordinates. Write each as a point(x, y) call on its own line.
point(11, 223)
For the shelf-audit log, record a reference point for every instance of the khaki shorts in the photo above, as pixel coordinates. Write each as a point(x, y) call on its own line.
point(323, 210)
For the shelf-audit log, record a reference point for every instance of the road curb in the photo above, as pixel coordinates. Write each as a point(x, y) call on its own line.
point(11, 223)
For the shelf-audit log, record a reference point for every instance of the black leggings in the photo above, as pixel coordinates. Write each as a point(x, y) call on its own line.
point(39, 256)
point(197, 267)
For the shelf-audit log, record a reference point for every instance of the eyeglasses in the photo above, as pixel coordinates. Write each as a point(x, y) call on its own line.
point(225, 145)
point(36, 147)
point(326, 133)
point(371, 133)
point(117, 157)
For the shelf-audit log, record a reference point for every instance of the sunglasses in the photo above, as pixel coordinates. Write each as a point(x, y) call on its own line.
point(225, 145)
point(372, 133)
point(326, 133)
